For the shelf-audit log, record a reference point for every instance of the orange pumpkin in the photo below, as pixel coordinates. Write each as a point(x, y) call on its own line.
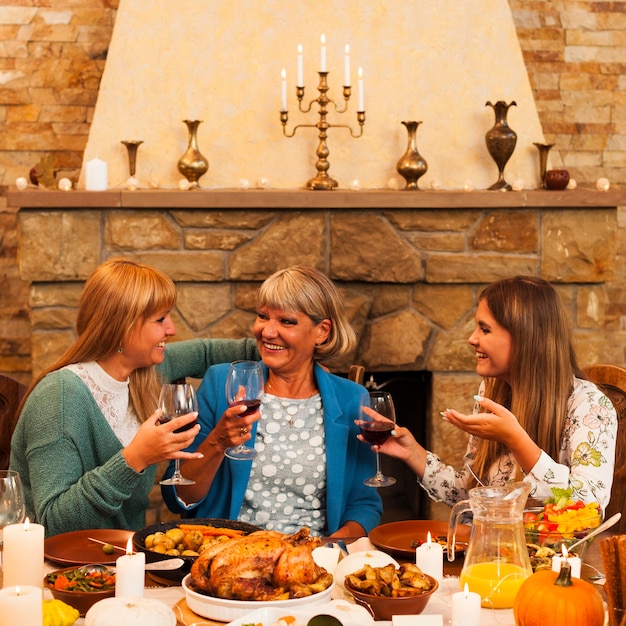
point(558, 599)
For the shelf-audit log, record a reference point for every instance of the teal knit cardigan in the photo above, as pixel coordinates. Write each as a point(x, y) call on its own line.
point(71, 464)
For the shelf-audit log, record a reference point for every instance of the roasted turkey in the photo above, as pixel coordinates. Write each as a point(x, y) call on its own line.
point(264, 565)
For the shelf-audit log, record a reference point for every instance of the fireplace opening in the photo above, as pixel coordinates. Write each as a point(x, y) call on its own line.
point(411, 391)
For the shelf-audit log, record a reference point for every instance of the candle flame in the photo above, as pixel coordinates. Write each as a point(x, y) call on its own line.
point(347, 48)
point(299, 48)
point(428, 538)
point(283, 73)
point(26, 523)
point(17, 590)
point(466, 589)
point(323, 39)
point(564, 551)
point(129, 546)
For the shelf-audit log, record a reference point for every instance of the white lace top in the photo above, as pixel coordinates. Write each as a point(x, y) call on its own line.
point(112, 398)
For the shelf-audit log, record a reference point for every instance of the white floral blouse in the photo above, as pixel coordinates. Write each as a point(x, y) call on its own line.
point(585, 462)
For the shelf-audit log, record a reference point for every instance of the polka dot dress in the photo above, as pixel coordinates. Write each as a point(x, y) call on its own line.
point(287, 486)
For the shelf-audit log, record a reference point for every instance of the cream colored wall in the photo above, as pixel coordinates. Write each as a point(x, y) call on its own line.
point(220, 61)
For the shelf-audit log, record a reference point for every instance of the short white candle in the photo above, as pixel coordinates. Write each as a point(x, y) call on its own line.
point(22, 555)
point(361, 99)
point(323, 53)
point(300, 67)
point(466, 608)
point(130, 573)
point(572, 559)
point(346, 68)
point(283, 90)
point(429, 558)
point(96, 175)
point(21, 605)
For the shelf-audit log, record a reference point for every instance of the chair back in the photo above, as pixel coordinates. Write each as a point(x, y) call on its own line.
point(611, 379)
point(11, 394)
point(356, 373)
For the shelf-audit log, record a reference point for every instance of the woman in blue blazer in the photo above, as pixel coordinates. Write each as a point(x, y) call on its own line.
point(310, 466)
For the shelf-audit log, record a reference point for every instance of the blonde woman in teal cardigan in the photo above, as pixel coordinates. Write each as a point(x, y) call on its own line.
point(88, 441)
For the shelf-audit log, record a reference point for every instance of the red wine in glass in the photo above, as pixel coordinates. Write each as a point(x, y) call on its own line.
point(377, 430)
point(244, 387)
point(376, 433)
point(175, 401)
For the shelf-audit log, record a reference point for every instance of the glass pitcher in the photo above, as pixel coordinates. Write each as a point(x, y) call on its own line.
point(496, 563)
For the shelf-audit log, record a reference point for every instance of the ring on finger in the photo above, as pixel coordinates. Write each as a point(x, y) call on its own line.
point(243, 431)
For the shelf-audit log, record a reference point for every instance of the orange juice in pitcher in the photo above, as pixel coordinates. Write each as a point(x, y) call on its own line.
point(496, 563)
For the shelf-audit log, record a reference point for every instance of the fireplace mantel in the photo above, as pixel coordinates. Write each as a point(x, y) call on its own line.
point(305, 199)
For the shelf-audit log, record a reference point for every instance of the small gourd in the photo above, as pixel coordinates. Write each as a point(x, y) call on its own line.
point(558, 599)
point(58, 613)
point(130, 612)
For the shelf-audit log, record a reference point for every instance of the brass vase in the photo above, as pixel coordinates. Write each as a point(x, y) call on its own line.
point(131, 146)
point(501, 140)
point(411, 165)
point(192, 165)
point(543, 148)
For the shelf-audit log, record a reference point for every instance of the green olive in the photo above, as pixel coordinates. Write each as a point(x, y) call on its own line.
point(107, 548)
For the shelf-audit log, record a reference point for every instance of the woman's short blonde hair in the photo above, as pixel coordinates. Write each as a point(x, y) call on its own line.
point(303, 289)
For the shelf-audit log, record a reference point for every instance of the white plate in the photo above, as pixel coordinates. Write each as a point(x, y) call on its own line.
point(347, 613)
point(224, 610)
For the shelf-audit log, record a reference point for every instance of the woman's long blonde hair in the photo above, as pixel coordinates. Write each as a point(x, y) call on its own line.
point(543, 363)
point(119, 296)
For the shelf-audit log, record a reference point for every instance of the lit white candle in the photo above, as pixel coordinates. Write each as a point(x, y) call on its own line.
point(21, 605)
point(429, 558)
point(361, 100)
point(130, 573)
point(323, 53)
point(96, 175)
point(300, 67)
point(573, 560)
point(22, 555)
point(346, 67)
point(283, 90)
point(466, 608)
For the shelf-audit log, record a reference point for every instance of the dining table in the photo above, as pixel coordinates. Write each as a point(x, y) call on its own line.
point(172, 594)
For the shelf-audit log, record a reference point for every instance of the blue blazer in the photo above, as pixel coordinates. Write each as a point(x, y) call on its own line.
point(348, 461)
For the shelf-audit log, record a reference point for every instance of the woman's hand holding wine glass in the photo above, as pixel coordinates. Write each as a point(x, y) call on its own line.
point(244, 386)
point(175, 401)
point(376, 431)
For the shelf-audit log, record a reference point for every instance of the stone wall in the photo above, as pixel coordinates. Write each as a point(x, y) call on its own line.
point(409, 277)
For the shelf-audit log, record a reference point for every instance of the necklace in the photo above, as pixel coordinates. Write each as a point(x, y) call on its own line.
point(286, 401)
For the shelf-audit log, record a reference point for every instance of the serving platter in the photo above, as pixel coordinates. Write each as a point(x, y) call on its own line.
point(74, 548)
point(401, 538)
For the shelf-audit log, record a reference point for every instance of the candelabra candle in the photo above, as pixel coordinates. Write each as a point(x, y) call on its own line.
point(322, 181)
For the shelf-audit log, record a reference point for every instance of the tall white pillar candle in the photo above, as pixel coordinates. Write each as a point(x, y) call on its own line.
point(466, 608)
point(429, 558)
point(283, 90)
point(22, 555)
point(361, 99)
point(130, 573)
point(346, 67)
point(96, 176)
point(323, 53)
point(300, 77)
point(21, 605)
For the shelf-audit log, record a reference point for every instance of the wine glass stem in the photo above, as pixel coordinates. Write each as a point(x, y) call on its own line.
point(177, 468)
point(378, 472)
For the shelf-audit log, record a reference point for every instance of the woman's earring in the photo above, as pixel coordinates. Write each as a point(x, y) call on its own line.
point(119, 350)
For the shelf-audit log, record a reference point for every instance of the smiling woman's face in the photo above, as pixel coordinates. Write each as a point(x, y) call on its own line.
point(286, 340)
point(493, 345)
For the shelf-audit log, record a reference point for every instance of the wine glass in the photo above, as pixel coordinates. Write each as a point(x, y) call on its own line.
point(177, 399)
point(244, 385)
point(12, 505)
point(376, 432)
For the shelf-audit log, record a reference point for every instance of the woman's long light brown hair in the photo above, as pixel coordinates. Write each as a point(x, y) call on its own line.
point(119, 296)
point(543, 363)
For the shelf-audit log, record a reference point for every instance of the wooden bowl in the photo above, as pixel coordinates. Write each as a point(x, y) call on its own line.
point(556, 179)
point(82, 601)
point(384, 607)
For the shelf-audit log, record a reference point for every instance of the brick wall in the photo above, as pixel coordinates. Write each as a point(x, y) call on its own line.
point(52, 53)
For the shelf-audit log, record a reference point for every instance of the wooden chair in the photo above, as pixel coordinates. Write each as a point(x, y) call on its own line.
point(356, 373)
point(611, 379)
point(11, 393)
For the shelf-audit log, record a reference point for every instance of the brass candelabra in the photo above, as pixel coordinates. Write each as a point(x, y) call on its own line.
point(322, 181)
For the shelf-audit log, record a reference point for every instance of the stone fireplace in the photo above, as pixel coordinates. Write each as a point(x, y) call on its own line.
point(409, 267)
